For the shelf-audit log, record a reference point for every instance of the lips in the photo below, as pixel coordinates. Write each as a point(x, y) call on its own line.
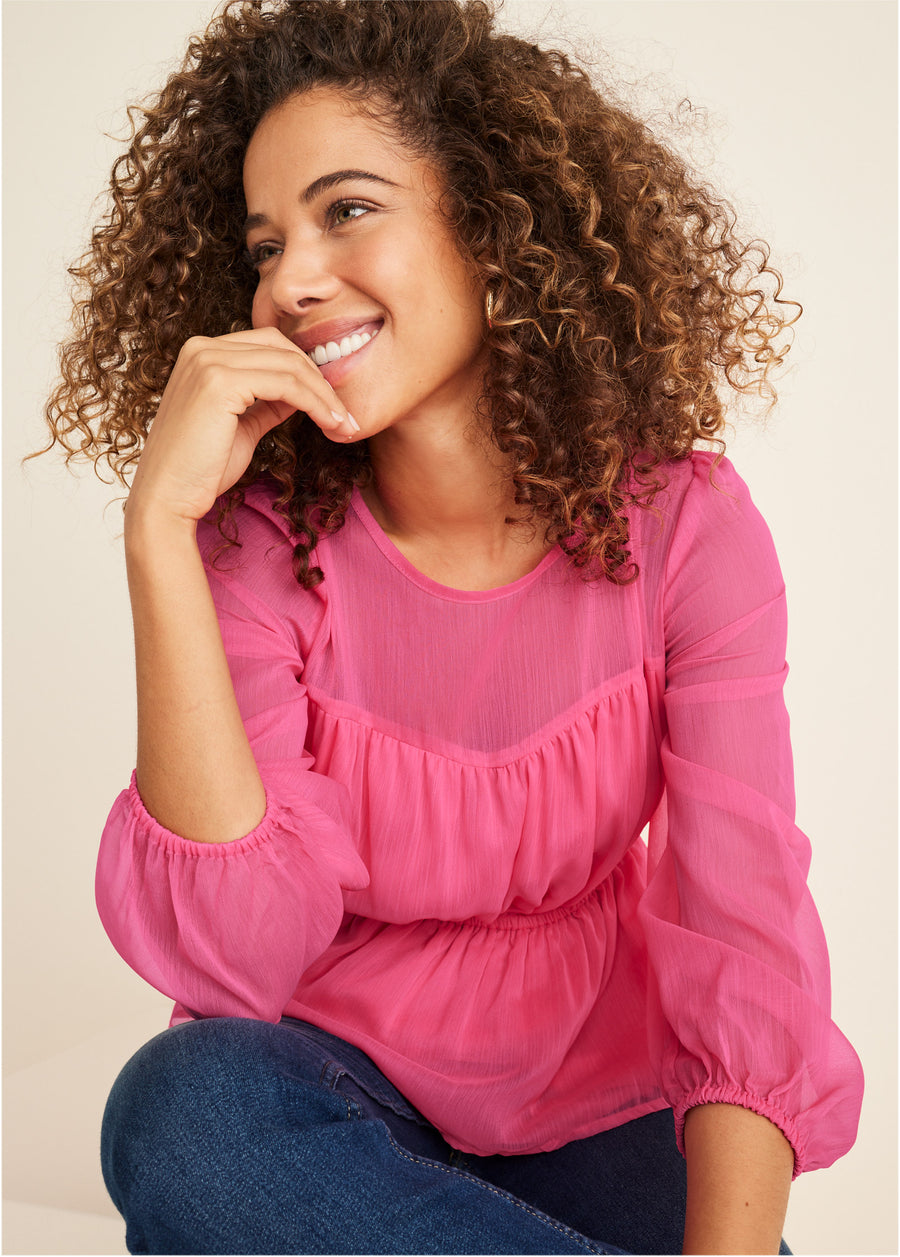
point(334, 350)
point(337, 338)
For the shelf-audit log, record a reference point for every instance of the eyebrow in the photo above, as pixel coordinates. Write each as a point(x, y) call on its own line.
point(317, 187)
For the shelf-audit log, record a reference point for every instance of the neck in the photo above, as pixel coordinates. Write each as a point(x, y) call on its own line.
point(441, 486)
point(443, 496)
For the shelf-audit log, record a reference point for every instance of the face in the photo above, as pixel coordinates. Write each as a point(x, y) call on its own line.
point(356, 266)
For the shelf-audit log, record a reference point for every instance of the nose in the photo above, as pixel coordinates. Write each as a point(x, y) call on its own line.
point(299, 279)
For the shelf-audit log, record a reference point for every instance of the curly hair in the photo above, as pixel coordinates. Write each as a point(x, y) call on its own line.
point(625, 306)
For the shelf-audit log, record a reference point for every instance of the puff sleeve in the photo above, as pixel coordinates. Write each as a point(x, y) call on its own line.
point(740, 985)
point(227, 929)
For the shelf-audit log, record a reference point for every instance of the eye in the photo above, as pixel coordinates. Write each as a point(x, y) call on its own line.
point(257, 254)
point(344, 212)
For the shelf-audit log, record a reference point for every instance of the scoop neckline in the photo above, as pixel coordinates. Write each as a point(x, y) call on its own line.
point(449, 592)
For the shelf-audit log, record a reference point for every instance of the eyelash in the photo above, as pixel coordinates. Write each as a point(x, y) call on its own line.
point(257, 254)
point(334, 210)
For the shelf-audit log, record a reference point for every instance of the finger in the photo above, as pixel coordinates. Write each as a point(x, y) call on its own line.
point(258, 336)
point(247, 388)
point(222, 348)
point(206, 348)
point(269, 339)
point(219, 368)
point(263, 336)
point(264, 415)
point(267, 350)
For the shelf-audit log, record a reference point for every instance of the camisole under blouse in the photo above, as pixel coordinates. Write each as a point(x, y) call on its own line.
point(452, 871)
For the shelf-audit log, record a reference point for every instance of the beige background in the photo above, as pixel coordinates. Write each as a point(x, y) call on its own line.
point(799, 106)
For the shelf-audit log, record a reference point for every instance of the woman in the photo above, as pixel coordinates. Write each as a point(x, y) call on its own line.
point(435, 607)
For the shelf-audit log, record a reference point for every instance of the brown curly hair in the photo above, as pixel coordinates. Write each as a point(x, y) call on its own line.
point(624, 303)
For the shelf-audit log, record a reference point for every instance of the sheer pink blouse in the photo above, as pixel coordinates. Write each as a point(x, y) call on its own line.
point(450, 872)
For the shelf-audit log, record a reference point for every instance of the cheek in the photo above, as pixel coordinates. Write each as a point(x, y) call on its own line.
point(389, 275)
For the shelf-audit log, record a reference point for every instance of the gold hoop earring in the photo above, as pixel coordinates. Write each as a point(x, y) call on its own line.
point(489, 308)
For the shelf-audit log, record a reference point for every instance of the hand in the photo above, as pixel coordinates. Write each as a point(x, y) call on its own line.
point(224, 394)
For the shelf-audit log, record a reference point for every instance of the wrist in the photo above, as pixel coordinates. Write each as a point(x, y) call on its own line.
point(148, 524)
point(739, 1168)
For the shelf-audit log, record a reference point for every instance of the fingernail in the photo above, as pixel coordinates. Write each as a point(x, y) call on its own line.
point(353, 424)
point(336, 417)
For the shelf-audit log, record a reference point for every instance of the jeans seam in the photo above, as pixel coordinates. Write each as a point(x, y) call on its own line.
point(391, 1099)
point(333, 1071)
point(330, 1074)
point(495, 1191)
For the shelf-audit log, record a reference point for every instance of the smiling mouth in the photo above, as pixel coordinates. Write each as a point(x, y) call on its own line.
point(333, 350)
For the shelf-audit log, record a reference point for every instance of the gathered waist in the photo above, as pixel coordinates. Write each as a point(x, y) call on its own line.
point(512, 1033)
point(621, 884)
point(534, 920)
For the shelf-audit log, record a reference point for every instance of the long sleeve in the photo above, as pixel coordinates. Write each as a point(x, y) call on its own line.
point(739, 1002)
point(227, 929)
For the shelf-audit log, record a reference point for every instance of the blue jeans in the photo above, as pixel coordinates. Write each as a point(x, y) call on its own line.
point(235, 1136)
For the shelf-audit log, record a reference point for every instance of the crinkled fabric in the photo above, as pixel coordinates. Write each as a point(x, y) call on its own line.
point(451, 872)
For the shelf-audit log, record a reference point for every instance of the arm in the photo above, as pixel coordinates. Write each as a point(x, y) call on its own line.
point(195, 769)
point(739, 1014)
point(227, 928)
point(223, 878)
point(739, 1168)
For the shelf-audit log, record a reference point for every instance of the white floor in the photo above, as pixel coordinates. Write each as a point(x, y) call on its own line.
point(43, 1229)
point(54, 1200)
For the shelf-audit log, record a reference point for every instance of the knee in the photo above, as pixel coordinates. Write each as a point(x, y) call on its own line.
point(197, 1124)
point(170, 1102)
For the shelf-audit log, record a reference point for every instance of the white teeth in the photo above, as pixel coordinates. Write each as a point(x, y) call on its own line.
point(331, 350)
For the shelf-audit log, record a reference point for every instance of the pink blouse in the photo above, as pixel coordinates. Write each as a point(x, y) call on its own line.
point(450, 872)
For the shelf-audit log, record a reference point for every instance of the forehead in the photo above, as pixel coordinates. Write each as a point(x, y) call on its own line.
point(324, 129)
